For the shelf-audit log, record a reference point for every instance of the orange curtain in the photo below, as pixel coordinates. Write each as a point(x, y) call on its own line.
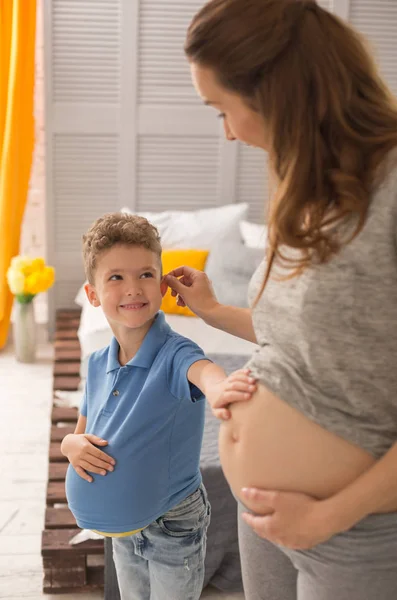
point(17, 54)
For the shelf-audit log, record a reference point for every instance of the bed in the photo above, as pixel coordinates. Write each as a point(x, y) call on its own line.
point(222, 566)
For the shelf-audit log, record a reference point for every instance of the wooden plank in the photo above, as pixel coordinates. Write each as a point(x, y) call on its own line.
point(67, 568)
point(57, 471)
point(94, 582)
point(66, 334)
point(65, 354)
point(56, 542)
point(59, 518)
point(69, 313)
point(61, 414)
point(56, 493)
point(71, 316)
point(58, 433)
point(72, 344)
point(55, 453)
point(61, 572)
point(67, 383)
point(67, 368)
point(71, 324)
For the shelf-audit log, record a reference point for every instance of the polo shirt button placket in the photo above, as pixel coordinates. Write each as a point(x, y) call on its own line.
point(116, 393)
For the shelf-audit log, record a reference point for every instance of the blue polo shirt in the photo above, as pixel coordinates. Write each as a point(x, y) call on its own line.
point(153, 419)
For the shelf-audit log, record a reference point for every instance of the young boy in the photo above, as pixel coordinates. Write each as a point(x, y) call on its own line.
point(144, 401)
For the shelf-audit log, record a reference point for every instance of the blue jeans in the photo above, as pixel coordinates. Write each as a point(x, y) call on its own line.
point(165, 561)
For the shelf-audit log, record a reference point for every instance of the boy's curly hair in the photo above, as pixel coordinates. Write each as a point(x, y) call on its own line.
point(117, 228)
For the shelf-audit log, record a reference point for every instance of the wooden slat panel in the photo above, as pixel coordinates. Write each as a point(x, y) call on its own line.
point(73, 344)
point(61, 414)
point(63, 314)
point(51, 585)
point(72, 324)
point(66, 334)
point(58, 433)
point(64, 572)
point(57, 471)
point(56, 454)
point(64, 354)
point(57, 540)
point(67, 368)
point(66, 383)
point(56, 493)
point(59, 518)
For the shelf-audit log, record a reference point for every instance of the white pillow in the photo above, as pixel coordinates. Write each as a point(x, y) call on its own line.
point(230, 267)
point(197, 229)
point(254, 235)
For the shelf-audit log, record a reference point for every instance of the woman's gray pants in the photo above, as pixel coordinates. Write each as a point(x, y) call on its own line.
point(360, 564)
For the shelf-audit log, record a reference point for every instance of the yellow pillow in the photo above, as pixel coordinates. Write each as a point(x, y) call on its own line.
point(171, 259)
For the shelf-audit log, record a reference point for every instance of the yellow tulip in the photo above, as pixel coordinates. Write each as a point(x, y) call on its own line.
point(37, 264)
point(29, 276)
point(39, 281)
point(16, 281)
point(50, 276)
point(21, 263)
point(32, 284)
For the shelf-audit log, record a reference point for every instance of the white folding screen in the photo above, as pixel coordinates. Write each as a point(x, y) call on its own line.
point(177, 143)
point(84, 101)
point(124, 125)
point(377, 20)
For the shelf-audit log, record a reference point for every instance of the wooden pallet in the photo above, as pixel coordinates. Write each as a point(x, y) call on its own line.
point(67, 568)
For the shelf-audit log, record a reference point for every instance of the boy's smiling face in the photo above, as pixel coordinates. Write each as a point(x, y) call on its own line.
point(128, 286)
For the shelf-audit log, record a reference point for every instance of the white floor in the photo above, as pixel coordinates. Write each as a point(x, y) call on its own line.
point(25, 402)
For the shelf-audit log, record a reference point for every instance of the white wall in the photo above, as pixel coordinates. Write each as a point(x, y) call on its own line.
point(33, 239)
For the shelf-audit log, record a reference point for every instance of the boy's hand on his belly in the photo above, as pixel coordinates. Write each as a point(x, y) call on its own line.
point(83, 455)
point(238, 387)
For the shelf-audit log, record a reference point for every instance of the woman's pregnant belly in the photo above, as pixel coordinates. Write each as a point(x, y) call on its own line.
point(268, 444)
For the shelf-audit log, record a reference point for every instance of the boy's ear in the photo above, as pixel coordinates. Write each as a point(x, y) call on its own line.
point(91, 294)
point(163, 287)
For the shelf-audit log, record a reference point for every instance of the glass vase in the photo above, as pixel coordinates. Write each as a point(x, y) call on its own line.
point(25, 340)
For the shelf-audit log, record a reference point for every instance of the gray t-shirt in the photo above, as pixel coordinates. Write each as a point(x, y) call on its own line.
point(328, 338)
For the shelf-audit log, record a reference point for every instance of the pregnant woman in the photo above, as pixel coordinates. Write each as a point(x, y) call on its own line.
point(313, 456)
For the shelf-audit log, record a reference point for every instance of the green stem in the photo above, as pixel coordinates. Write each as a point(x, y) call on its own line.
point(24, 298)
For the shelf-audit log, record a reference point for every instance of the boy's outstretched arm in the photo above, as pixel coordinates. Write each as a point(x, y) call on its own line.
point(219, 389)
point(81, 425)
point(80, 449)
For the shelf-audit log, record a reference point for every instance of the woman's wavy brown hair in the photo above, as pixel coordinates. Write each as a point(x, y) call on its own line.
point(329, 118)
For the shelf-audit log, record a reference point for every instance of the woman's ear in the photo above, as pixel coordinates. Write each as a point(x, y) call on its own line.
point(91, 294)
point(163, 287)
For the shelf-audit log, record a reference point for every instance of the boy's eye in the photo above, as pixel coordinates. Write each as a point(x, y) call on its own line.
point(115, 278)
point(147, 274)
point(221, 116)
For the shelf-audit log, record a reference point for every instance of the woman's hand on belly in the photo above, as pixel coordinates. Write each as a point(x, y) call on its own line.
point(290, 519)
point(237, 387)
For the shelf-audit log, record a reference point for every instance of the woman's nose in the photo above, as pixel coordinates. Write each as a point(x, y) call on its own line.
point(228, 133)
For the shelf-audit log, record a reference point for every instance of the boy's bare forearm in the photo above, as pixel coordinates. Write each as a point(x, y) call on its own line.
point(81, 424)
point(205, 374)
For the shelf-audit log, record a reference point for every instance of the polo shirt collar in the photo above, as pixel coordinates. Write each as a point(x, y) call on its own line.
point(153, 341)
